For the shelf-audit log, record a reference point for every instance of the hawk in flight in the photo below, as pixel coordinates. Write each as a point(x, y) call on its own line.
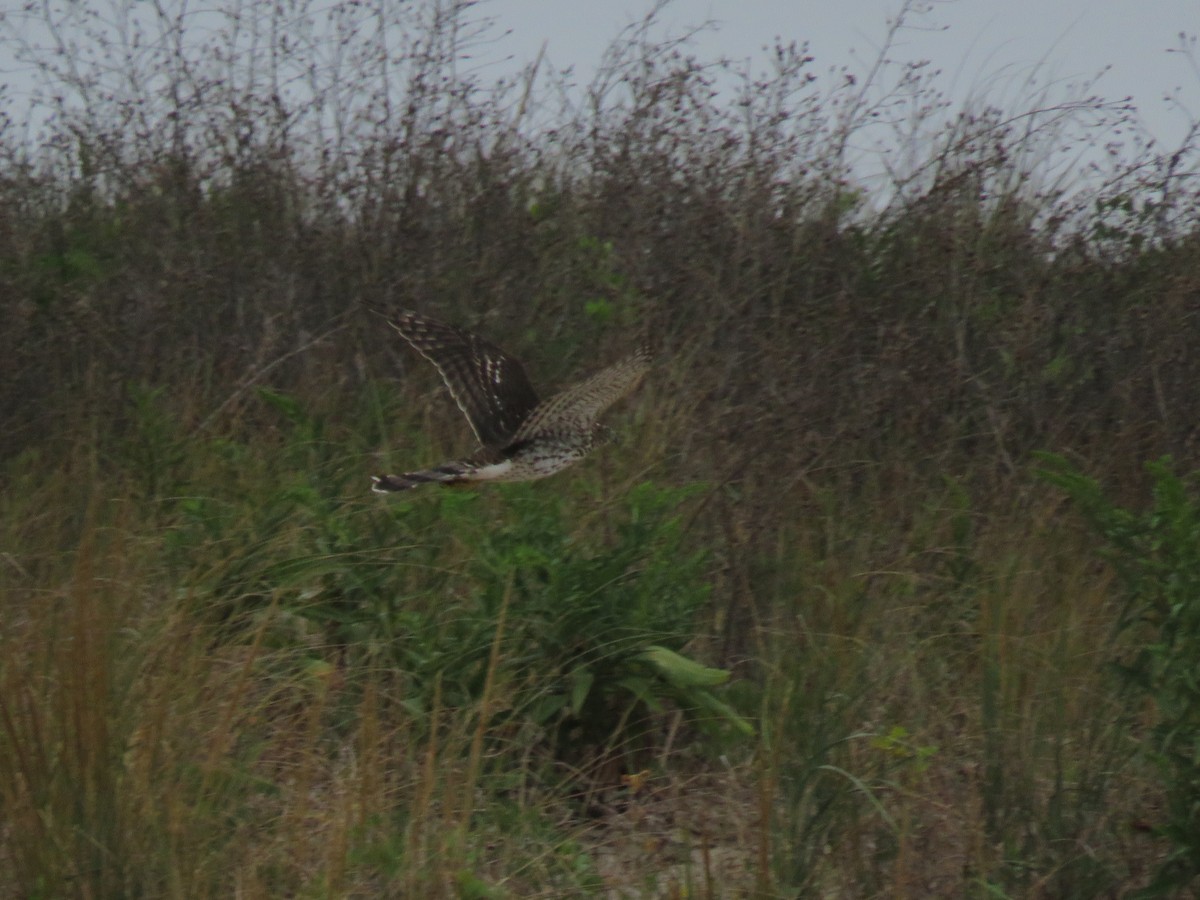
point(521, 437)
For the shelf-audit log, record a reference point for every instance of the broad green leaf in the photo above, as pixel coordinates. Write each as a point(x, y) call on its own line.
point(681, 671)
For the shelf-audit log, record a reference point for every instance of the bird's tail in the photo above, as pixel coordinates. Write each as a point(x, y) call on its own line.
point(446, 473)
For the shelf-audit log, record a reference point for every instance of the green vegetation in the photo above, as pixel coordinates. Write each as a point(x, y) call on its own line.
point(1157, 556)
point(836, 618)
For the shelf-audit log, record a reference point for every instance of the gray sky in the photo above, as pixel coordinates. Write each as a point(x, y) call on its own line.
point(980, 45)
point(1002, 52)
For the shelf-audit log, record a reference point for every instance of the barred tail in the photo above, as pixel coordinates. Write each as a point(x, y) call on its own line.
point(446, 473)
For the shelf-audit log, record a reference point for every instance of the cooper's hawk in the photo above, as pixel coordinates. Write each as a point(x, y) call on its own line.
point(521, 437)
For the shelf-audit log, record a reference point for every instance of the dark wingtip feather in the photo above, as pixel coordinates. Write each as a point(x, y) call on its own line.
point(389, 484)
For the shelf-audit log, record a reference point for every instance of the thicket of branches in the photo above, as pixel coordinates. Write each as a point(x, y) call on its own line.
point(207, 201)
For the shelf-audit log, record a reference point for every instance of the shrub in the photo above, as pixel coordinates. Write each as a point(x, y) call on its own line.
point(1157, 555)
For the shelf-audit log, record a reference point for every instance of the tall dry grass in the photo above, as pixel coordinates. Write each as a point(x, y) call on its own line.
point(226, 669)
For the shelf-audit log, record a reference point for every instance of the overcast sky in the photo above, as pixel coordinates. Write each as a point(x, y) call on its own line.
point(978, 44)
point(984, 50)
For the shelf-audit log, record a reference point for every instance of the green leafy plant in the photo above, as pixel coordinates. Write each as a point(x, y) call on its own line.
point(593, 622)
point(1157, 555)
point(599, 626)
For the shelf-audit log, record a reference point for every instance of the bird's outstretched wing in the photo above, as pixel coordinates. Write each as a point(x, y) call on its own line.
point(489, 386)
point(578, 407)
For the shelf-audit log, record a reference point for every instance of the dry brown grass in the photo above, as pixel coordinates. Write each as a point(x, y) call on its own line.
point(920, 629)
